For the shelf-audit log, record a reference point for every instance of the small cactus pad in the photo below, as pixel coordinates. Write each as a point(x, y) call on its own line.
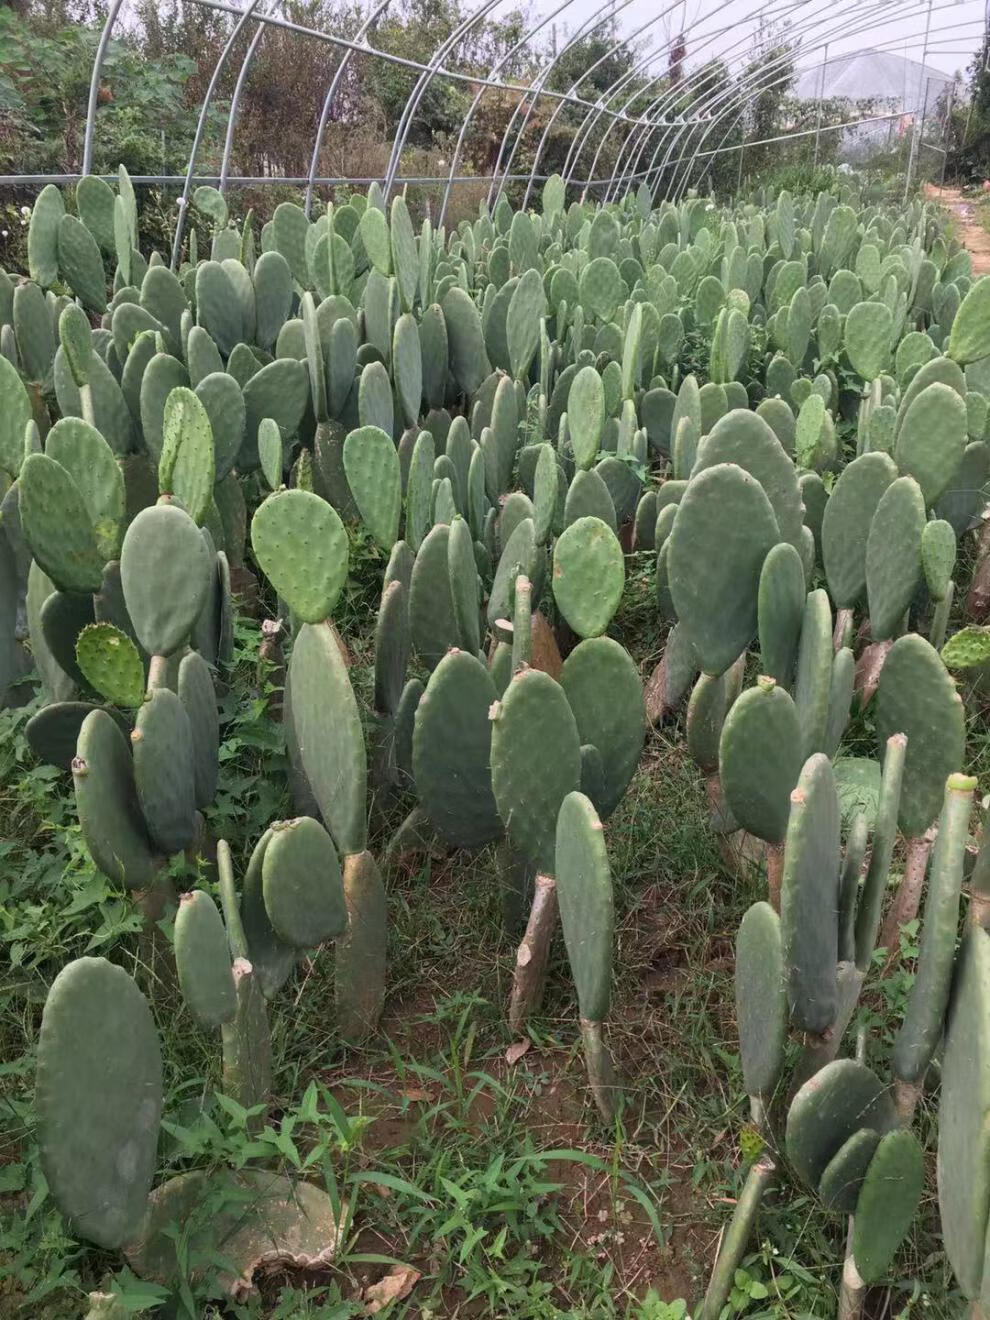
point(57, 525)
point(830, 1107)
point(272, 960)
point(451, 751)
point(931, 439)
point(53, 731)
point(586, 415)
point(202, 960)
point(916, 697)
point(843, 1176)
point(163, 770)
point(813, 679)
point(111, 664)
point(529, 787)
point(615, 727)
point(361, 955)
point(107, 803)
point(588, 575)
point(761, 999)
point(810, 897)
point(760, 759)
point(328, 732)
point(780, 611)
point(187, 466)
point(371, 463)
point(938, 556)
point(584, 892)
point(196, 692)
point(301, 884)
point(98, 1094)
point(846, 524)
point(301, 547)
point(964, 1116)
point(969, 339)
point(744, 438)
point(969, 648)
point(893, 555)
point(165, 571)
point(921, 1026)
point(887, 1202)
point(723, 530)
point(392, 642)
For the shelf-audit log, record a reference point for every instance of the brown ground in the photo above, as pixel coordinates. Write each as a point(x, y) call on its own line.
point(972, 234)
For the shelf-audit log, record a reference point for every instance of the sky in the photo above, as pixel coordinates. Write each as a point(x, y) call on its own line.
point(727, 27)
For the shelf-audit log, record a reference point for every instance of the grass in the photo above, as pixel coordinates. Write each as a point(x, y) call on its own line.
point(493, 1181)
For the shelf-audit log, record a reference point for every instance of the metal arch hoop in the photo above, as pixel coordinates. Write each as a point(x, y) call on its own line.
point(335, 82)
point(94, 84)
point(201, 125)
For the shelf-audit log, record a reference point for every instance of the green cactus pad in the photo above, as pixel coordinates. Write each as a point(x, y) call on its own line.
point(588, 575)
point(588, 497)
point(616, 728)
point(63, 617)
point(745, 439)
point(843, 1176)
point(76, 337)
point(372, 467)
point(271, 959)
point(967, 649)
point(195, 691)
point(465, 587)
point(760, 759)
point(405, 717)
point(964, 1116)
point(107, 803)
point(451, 751)
point(111, 664)
point(57, 525)
point(887, 1203)
point(80, 263)
point(810, 897)
point(584, 892)
point(529, 787)
point(163, 770)
point(724, 528)
point(586, 415)
point(15, 413)
point(53, 731)
point(840, 1100)
point(468, 356)
point(361, 956)
point(846, 525)
point(813, 680)
point(186, 466)
point(938, 556)
point(867, 339)
point(42, 236)
point(98, 1094)
point(521, 555)
point(931, 439)
point(916, 697)
point(301, 884)
point(392, 643)
point(761, 999)
point(202, 960)
point(301, 547)
point(90, 462)
point(780, 611)
point(165, 572)
point(969, 339)
point(893, 555)
point(328, 731)
point(922, 1024)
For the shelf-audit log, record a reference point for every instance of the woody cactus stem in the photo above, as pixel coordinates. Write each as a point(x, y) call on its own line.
point(905, 905)
point(533, 952)
point(760, 1177)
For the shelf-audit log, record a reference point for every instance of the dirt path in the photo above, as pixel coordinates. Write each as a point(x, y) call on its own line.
point(973, 235)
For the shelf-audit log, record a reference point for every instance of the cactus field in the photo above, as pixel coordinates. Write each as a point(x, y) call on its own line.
point(491, 762)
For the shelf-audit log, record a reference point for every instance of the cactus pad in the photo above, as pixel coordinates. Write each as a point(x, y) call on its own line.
point(760, 759)
point(202, 960)
point(106, 800)
point(111, 664)
point(780, 611)
point(893, 555)
point(99, 1099)
point(584, 892)
point(846, 524)
point(451, 751)
point(301, 884)
point(301, 547)
point(372, 467)
point(588, 575)
point(166, 572)
point(529, 787)
point(163, 770)
point(761, 999)
point(57, 525)
point(615, 727)
point(832, 1106)
point(887, 1202)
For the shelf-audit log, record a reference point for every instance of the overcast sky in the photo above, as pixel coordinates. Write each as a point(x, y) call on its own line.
point(727, 27)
